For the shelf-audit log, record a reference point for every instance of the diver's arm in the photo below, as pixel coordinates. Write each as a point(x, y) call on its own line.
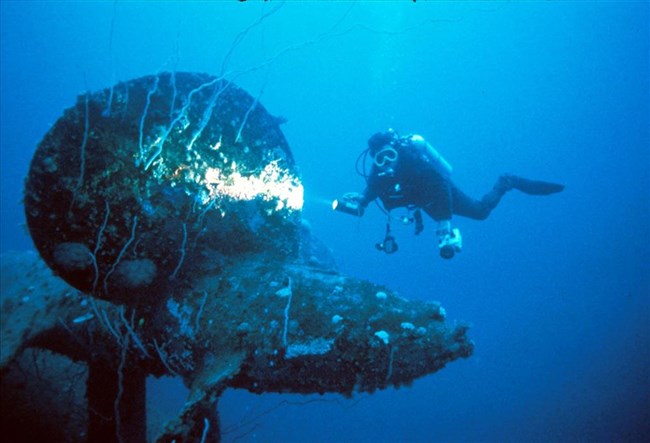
point(371, 192)
point(368, 195)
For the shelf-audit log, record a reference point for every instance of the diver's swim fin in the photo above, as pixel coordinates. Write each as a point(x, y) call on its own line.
point(533, 187)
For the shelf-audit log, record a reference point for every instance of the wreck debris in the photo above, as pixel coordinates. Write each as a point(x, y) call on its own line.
point(172, 229)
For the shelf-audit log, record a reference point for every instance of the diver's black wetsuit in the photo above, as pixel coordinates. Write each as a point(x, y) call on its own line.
point(413, 180)
point(408, 172)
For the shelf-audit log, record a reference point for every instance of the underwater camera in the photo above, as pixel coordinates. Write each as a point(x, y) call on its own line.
point(450, 243)
point(389, 245)
point(348, 205)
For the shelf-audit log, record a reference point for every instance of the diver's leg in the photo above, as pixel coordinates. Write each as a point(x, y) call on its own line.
point(480, 209)
point(531, 187)
point(466, 206)
point(439, 196)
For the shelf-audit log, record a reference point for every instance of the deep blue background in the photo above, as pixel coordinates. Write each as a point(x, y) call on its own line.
point(557, 288)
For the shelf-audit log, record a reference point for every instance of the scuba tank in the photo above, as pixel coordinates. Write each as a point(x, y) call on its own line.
point(441, 165)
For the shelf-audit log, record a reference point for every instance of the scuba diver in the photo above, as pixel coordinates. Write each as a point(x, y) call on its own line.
point(408, 172)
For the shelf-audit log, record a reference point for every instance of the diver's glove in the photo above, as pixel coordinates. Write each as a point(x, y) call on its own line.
point(449, 240)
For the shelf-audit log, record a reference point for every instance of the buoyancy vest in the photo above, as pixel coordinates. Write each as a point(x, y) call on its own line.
point(406, 171)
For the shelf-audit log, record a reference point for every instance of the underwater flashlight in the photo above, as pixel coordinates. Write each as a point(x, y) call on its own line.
point(348, 206)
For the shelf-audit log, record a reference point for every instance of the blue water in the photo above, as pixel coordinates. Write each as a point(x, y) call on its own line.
point(557, 288)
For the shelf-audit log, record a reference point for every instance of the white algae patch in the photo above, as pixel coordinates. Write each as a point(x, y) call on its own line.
point(407, 325)
point(383, 336)
point(317, 346)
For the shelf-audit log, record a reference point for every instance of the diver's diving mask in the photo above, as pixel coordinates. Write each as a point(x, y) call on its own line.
point(385, 155)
